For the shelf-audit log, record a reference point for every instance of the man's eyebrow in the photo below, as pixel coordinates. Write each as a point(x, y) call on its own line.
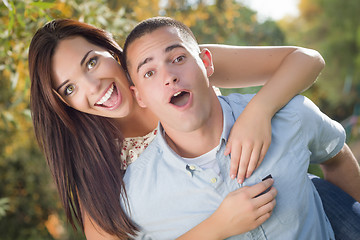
point(65, 82)
point(143, 62)
point(84, 58)
point(170, 48)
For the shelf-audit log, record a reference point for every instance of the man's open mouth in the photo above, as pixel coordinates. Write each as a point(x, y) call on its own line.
point(180, 98)
point(110, 98)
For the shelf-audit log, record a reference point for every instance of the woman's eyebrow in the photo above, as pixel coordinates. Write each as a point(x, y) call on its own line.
point(84, 58)
point(81, 63)
point(58, 88)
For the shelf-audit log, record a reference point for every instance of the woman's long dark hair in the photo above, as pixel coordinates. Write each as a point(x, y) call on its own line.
point(80, 148)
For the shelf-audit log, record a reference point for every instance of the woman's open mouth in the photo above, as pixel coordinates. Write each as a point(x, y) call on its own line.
point(110, 98)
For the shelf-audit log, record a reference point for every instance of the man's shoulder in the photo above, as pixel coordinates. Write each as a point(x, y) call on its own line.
point(244, 99)
point(146, 158)
point(302, 107)
point(237, 98)
point(299, 108)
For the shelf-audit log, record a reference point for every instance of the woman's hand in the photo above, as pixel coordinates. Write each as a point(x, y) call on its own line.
point(241, 211)
point(248, 142)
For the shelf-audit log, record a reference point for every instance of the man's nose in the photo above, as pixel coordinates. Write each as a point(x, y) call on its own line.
point(170, 78)
point(171, 81)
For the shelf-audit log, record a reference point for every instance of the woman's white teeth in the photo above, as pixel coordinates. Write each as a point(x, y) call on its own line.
point(177, 94)
point(106, 96)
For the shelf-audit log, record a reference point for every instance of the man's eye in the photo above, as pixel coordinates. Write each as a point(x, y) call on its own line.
point(179, 59)
point(91, 63)
point(149, 74)
point(69, 89)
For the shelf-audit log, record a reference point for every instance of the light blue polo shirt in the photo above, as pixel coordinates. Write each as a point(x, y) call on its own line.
point(167, 197)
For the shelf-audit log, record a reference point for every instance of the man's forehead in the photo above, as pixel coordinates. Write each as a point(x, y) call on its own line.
point(163, 35)
point(161, 40)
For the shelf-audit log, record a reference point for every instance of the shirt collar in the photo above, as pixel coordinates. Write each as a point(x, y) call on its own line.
point(228, 120)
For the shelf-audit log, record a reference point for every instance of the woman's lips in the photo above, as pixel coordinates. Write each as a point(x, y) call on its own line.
point(111, 99)
point(106, 96)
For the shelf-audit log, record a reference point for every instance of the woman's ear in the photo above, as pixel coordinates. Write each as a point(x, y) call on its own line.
point(206, 57)
point(136, 94)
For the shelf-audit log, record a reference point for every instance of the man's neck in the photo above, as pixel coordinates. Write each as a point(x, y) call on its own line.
point(202, 140)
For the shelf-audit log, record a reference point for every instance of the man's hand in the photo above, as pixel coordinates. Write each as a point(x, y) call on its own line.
point(245, 209)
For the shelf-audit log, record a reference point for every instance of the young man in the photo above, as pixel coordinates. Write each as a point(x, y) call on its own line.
point(183, 176)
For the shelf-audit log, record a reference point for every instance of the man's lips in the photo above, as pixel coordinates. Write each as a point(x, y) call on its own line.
point(180, 98)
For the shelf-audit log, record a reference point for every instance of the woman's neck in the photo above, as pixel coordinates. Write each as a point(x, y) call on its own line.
point(138, 123)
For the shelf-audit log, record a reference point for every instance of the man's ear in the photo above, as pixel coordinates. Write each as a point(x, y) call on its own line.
point(206, 57)
point(136, 93)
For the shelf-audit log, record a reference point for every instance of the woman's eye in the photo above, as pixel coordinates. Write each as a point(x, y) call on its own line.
point(91, 63)
point(179, 59)
point(149, 74)
point(69, 89)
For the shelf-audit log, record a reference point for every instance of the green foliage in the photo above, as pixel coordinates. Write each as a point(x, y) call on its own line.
point(4, 206)
point(331, 27)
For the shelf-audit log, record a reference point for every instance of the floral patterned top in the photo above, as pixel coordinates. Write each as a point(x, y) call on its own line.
point(133, 147)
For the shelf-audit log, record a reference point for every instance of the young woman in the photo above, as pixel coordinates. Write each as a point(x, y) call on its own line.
point(81, 135)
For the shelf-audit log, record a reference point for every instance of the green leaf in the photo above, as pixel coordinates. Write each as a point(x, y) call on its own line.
point(7, 5)
point(43, 5)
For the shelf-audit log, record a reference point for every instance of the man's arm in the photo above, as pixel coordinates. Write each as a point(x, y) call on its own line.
point(343, 170)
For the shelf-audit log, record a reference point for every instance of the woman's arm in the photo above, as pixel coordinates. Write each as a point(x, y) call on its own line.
point(284, 72)
point(238, 66)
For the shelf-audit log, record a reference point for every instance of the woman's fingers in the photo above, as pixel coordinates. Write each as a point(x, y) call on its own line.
point(234, 163)
point(254, 160)
point(244, 162)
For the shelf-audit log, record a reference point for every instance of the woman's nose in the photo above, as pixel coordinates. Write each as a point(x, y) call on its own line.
point(91, 84)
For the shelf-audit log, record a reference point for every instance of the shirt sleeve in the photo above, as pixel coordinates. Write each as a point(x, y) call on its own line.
point(324, 136)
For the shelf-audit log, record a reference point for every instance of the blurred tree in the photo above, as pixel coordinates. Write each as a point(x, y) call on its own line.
point(332, 27)
point(29, 205)
point(23, 173)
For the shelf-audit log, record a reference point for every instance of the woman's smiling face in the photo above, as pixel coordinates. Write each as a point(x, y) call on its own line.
point(89, 79)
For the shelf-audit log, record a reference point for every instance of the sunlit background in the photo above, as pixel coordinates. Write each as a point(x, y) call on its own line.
point(29, 205)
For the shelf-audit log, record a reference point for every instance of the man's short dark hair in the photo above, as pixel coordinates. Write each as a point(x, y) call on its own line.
point(150, 25)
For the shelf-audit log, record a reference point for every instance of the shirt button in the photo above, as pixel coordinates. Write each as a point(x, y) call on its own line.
point(213, 180)
point(192, 167)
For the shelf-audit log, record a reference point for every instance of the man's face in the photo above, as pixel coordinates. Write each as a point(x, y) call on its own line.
point(171, 78)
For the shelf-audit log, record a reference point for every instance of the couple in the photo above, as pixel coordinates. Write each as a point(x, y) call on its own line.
point(73, 71)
